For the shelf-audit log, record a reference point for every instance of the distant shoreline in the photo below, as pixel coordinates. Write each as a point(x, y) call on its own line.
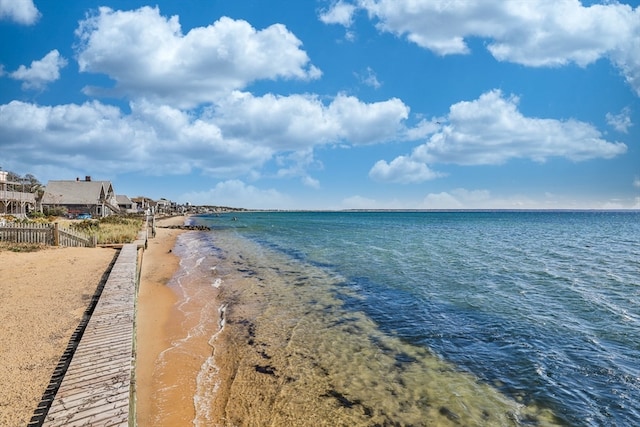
point(568, 210)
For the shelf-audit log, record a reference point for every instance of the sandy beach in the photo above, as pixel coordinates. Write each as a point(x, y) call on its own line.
point(43, 296)
point(155, 305)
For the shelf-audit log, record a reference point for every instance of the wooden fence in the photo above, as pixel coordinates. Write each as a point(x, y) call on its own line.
point(46, 234)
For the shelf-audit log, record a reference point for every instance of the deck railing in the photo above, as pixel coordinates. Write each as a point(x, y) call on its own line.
point(17, 196)
point(46, 234)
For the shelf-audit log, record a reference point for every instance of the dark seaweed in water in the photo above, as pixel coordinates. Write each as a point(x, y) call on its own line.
point(269, 370)
point(342, 400)
point(186, 227)
point(448, 413)
point(537, 304)
point(347, 403)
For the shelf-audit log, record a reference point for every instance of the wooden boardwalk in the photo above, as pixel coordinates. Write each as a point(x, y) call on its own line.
point(98, 387)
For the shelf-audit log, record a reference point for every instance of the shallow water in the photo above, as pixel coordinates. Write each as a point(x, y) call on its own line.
point(415, 318)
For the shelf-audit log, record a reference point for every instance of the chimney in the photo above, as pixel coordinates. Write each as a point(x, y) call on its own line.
point(87, 178)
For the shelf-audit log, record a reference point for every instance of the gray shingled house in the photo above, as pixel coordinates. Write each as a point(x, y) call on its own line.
point(126, 204)
point(81, 197)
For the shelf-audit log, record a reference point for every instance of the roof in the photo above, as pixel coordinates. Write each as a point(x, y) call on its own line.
point(123, 200)
point(76, 192)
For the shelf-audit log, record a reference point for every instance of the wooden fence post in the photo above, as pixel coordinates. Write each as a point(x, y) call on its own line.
point(56, 234)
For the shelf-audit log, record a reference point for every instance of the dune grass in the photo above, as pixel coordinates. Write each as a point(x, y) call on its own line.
point(111, 229)
point(21, 247)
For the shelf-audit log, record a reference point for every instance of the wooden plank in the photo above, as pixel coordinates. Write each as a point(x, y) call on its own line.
point(116, 343)
point(100, 359)
point(103, 413)
point(105, 374)
point(96, 388)
point(88, 400)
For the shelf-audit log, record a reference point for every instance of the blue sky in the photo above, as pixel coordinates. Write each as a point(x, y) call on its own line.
point(314, 104)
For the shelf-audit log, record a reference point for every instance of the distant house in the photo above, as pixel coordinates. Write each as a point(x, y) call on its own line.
point(163, 206)
point(144, 204)
point(126, 204)
point(80, 197)
point(13, 199)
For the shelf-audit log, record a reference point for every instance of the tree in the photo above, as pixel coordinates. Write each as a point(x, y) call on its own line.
point(33, 181)
point(28, 183)
point(13, 177)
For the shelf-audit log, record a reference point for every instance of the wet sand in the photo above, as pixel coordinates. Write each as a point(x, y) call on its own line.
point(156, 304)
point(43, 296)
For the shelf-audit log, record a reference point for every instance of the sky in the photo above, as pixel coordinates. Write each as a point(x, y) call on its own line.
point(324, 104)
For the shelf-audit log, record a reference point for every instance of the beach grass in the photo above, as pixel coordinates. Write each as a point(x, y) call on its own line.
point(21, 247)
point(108, 230)
point(111, 229)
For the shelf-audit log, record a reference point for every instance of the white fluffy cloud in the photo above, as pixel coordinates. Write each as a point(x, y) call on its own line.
point(533, 33)
point(442, 200)
point(237, 193)
point(236, 137)
point(403, 170)
point(360, 202)
point(165, 74)
point(462, 198)
point(296, 165)
point(369, 78)
point(459, 198)
point(20, 11)
point(339, 13)
point(149, 56)
point(490, 130)
point(301, 121)
point(244, 132)
point(153, 139)
point(41, 72)
point(620, 122)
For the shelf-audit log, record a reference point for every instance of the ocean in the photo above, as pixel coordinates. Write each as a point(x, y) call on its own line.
point(411, 318)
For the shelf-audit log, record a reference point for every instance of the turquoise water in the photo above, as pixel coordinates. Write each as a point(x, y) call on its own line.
point(418, 318)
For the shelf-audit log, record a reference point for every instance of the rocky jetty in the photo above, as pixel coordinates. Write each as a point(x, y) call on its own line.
point(186, 227)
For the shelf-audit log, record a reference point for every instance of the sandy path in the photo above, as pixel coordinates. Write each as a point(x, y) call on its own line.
point(43, 295)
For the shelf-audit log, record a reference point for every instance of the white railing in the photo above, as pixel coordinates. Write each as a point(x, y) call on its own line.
point(17, 196)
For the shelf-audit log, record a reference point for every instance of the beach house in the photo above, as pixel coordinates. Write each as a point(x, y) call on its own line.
point(126, 205)
point(95, 198)
point(15, 199)
point(144, 204)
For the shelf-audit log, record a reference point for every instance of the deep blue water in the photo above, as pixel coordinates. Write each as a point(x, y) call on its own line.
point(542, 306)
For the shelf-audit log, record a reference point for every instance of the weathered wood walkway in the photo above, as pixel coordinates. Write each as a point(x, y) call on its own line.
point(98, 387)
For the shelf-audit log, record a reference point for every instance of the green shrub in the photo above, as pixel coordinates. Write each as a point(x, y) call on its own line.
point(55, 211)
point(35, 214)
point(88, 226)
point(21, 247)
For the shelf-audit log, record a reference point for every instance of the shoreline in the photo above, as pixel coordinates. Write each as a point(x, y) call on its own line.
point(154, 314)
